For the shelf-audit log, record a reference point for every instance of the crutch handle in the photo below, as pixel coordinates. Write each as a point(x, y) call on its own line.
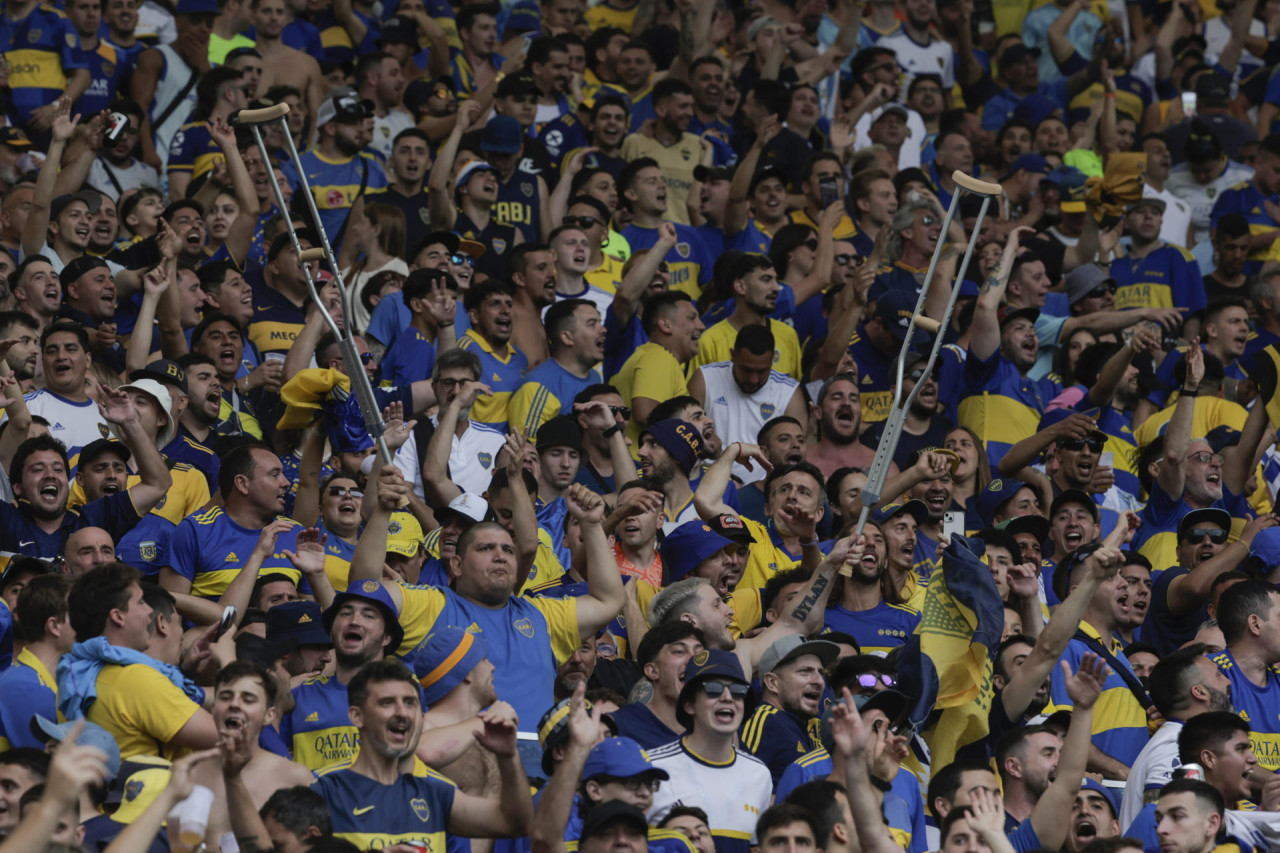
point(316, 254)
point(926, 324)
point(263, 115)
point(974, 185)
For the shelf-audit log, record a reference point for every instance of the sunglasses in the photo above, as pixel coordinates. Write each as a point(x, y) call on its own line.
point(888, 66)
point(663, 267)
point(634, 784)
point(716, 689)
point(1204, 457)
point(918, 374)
point(869, 680)
point(811, 244)
point(928, 221)
point(366, 358)
point(344, 492)
point(460, 260)
point(1196, 535)
point(902, 729)
point(625, 411)
point(1101, 291)
point(583, 222)
point(1078, 444)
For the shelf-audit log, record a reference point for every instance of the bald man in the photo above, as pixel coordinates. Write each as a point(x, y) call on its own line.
point(88, 548)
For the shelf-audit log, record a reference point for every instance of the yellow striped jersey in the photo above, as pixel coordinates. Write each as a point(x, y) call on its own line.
point(209, 549)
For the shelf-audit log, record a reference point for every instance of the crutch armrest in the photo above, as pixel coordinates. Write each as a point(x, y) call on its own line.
point(316, 254)
point(974, 185)
point(926, 324)
point(263, 115)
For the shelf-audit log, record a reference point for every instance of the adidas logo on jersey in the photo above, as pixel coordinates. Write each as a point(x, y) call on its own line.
point(497, 378)
point(721, 401)
point(232, 558)
point(57, 425)
point(313, 717)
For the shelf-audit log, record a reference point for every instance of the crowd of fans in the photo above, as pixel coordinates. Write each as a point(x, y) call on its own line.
point(633, 285)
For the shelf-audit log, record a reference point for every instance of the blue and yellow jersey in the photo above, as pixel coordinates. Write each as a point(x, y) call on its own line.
point(689, 261)
point(637, 722)
point(42, 51)
point(651, 372)
point(897, 277)
point(193, 150)
point(189, 492)
point(519, 202)
point(464, 79)
point(29, 689)
point(146, 547)
point(717, 342)
point(184, 448)
point(879, 630)
point(209, 549)
point(606, 15)
point(1166, 277)
point(530, 637)
point(844, 231)
point(335, 184)
point(1256, 706)
point(108, 67)
point(410, 359)
point(1157, 536)
point(875, 379)
point(276, 320)
point(1119, 720)
point(502, 370)
point(497, 237)
point(778, 737)
point(1247, 200)
point(1003, 406)
point(373, 816)
point(547, 391)
point(608, 275)
point(337, 43)
point(142, 709)
point(812, 765)
point(318, 731)
point(337, 557)
point(546, 565)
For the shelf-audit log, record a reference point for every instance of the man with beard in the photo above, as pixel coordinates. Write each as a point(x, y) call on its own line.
point(380, 81)
point(575, 335)
point(115, 169)
point(755, 289)
point(338, 163)
point(1119, 735)
point(669, 451)
point(548, 61)
point(918, 48)
point(461, 452)
point(407, 173)
point(371, 801)
point(1003, 402)
point(1246, 200)
point(781, 728)
point(662, 656)
point(572, 252)
point(288, 47)
point(742, 393)
point(1021, 71)
point(672, 147)
point(244, 703)
point(605, 460)
point(1247, 613)
point(489, 308)
point(654, 372)
point(24, 331)
point(925, 98)
point(782, 440)
point(1230, 252)
point(1179, 597)
point(1184, 684)
point(646, 195)
point(1155, 273)
point(204, 403)
point(924, 426)
point(839, 412)
point(870, 608)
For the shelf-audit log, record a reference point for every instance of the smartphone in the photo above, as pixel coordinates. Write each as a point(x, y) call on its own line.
point(953, 524)
point(224, 624)
point(1189, 104)
point(829, 190)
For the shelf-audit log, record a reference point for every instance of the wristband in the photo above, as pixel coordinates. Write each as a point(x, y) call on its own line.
point(813, 544)
point(1192, 393)
point(612, 431)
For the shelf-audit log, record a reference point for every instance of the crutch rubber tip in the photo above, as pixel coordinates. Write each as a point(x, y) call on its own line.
point(926, 324)
point(316, 254)
point(974, 185)
point(265, 114)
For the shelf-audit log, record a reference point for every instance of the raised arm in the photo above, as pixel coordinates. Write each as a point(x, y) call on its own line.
point(557, 800)
point(1186, 592)
point(240, 590)
point(35, 233)
point(640, 276)
point(735, 217)
point(1172, 471)
point(435, 468)
point(1028, 450)
point(1241, 460)
point(309, 559)
point(855, 740)
point(74, 769)
point(600, 417)
point(306, 503)
point(154, 284)
point(15, 407)
point(439, 202)
point(524, 518)
point(817, 280)
point(558, 204)
point(604, 597)
point(708, 500)
point(117, 408)
point(371, 548)
point(984, 334)
point(240, 235)
point(140, 834)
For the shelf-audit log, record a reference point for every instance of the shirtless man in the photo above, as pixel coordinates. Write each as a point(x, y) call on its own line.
point(281, 64)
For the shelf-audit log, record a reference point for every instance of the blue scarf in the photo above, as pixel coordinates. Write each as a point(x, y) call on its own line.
point(78, 674)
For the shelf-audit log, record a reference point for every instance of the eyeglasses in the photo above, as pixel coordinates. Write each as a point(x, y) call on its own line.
point(1101, 291)
point(1196, 535)
point(366, 358)
point(633, 783)
point(902, 728)
point(716, 689)
point(344, 492)
point(460, 260)
point(869, 680)
point(449, 384)
point(625, 411)
point(1078, 444)
point(582, 222)
point(1204, 457)
point(928, 221)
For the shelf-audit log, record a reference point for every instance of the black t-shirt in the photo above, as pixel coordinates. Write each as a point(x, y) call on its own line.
point(908, 444)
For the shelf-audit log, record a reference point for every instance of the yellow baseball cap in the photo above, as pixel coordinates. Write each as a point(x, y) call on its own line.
point(404, 534)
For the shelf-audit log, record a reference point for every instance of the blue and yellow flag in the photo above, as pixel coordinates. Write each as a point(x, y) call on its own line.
point(947, 664)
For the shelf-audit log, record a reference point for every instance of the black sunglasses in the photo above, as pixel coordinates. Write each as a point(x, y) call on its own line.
point(583, 222)
point(811, 243)
point(366, 358)
point(625, 411)
point(1101, 291)
point(1078, 444)
point(716, 689)
point(1196, 535)
point(918, 374)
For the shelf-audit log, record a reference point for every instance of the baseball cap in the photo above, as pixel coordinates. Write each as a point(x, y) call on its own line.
point(1035, 108)
point(343, 105)
point(375, 593)
point(1212, 90)
point(525, 17)
point(502, 135)
point(895, 308)
point(706, 664)
point(765, 174)
point(164, 371)
point(197, 7)
point(468, 169)
point(78, 267)
point(152, 388)
point(703, 174)
point(997, 493)
point(517, 84)
point(445, 659)
point(620, 757)
point(759, 24)
point(1074, 496)
point(788, 648)
point(1017, 53)
point(1072, 190)
point(1157, 203)
point(684, 548)
point(679, 438)
point(20, 566)
point(139, 782)
point(404, 534)
point(1264, 553)
point(885, 109)
point(1036, 525)
point(1083, 279)
point(731, 527)
point(915, 508)
point(553, 730)
point(282, 241)
point(300, 620)
point(614, 812)
point(14, 137)
point(418, 92)
point(1221, 437)
point(1031, 162)
point(560, 431)
point(398, 30)
point(45, 730)
point(1008, 314)
point(262, 651)
point(98, 446)
point(893, 703)
point(466, 506)
point(1062, 572)
point(1209, 515)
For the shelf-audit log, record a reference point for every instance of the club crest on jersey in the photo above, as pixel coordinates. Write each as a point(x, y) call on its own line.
point(767, 410)
point(420, 808)
point(524, 626)
point(334, 198)
point(682, 249)
point(33, 36)
point(485, 459)
point(499, 245)
point(527, 188)
point(424, 215)
point(147, 550)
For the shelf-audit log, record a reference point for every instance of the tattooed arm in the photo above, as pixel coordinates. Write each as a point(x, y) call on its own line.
point(984, 338)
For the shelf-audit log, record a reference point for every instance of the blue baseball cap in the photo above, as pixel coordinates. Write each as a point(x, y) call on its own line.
point(502, 135)
point(375, 593)
point(444, 659)
point(1103, 791)
point(1264, 553)
point(679, 438)
point(915, 508)
point(1035, 108)
point(300, 620)
point(705, 665)
point(197, 7)
point(621, 757)
point(997, 493)
point(1030, 162)
point(526, 18)
point(45, 730)
point(895, 309)
point(687, 546)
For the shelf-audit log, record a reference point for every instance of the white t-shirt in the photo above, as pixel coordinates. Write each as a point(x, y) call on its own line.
point(1177, 216)
point(739, 416)
point(733, 795)
point(1202, 198)
point(909, 155)
point(1152, 769)
point(136, 174)
point(472, 457)
point(386, 128)
point(936, 57)
point(74, 424)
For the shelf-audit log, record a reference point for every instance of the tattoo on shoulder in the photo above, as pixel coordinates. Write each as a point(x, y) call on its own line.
point(641, 693)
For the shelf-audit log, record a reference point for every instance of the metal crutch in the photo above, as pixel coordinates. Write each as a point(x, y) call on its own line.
point(898, 409)
point(254, 119)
